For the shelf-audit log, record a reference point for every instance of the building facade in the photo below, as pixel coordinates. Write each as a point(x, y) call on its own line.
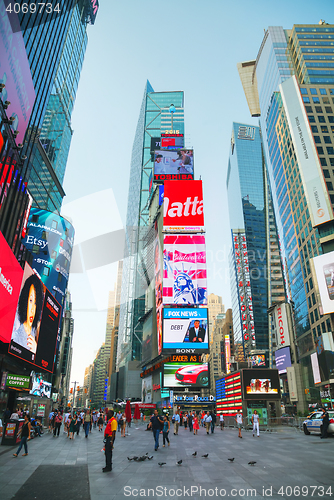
point(215, 307)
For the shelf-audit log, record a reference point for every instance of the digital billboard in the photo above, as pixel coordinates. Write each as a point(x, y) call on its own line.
point(186, 375)
point(185, 330)
point(281, 312)
point(15, 75)
point(324, 269)
point(172, 141)
point(158, 291)
point(10, 285)
point(184, 277)
point(146, 389)
point(39, 386)
point(50, 239)
point(258, 360)
point(34, 334)
point(260, 383)
point(183, 206)
point(228, 394)
point(283, 359)
point(176, 163)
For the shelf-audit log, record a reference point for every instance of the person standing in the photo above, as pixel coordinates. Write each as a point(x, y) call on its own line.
point(325, 424)
point(25, 435)
point(238, 419)
point(256, 423)
point(176, 421)
point(190, 421)
point(165, 431)
point(6, 415)
point(109, 436)
point(221, 421)
point(87, 422)
point(156, 424)
point(58, 422)
point(207, 420)
point(185, 421)
point(195, 423)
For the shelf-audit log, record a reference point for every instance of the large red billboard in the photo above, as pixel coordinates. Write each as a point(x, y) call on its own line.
point(183, 206)
point(10, 284)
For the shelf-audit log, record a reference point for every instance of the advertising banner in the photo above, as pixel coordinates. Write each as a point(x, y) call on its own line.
point(36, 322)
point(324, 269)
point(158, 291)
point(50, 239)
point(282, 326)
point(183, 206)
point(291, 376)
point(146, 350)
point(315, 368)
point(283, 359)
point(186, 375)
point(307, 156)
point(15, 75)
point(173, 164)
point(185, 330)
point(172, 141)
point(184, 278)
point(10, 284)
point(146, 389)
point(39, 386)
point(228, 394)
point(228, 354)
point(258, 360)
point(261, 383)
point(17, 381)
point(41, 410)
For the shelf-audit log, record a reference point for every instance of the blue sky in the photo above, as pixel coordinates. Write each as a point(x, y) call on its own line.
point(186, 45)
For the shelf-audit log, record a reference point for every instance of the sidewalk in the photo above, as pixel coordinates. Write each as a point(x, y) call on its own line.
point(58, 467)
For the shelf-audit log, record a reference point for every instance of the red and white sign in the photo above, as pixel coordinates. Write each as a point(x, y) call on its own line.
point(183, 206)
point(147, 405)
point(282, 326)
point(10, 285)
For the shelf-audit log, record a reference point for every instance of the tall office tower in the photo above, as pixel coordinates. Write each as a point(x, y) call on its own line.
point(257, 277)
point(291, 77)
point(215, 307)
point(154, 118)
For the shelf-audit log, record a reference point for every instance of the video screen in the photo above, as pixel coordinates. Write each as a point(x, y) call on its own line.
point(185, 329)
point(186, 375)
point(173, 162)
point(40, 387)
point(258, 360)
point(261, 383)
point(283, 359)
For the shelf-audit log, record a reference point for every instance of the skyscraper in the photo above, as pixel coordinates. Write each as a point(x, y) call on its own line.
point(154, 119)
point(304, 55)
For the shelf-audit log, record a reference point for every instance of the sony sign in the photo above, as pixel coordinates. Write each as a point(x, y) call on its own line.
point(282, 325)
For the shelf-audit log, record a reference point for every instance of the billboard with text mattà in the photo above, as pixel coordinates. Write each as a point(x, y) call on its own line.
point(183, 206)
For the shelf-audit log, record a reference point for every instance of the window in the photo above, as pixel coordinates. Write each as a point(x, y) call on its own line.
point(317, 139)
point(330, 150)
point(314, 129)
point(325, 100)
point(323, 163)
point(308, 109)
point(318, 109)
point(327, 139)
point(35, 218)
point(35, 249)
point(46, 271)
point(326, 173)
point(311, 119)
point(313, 91)
point(331, 162)
point(316, 100)
point(331, 119)
point(59, 277)
point(328, 109)
point(329, 186)
point(324, 129)
point(321, 119)
point(45, 235)
point(322, 91)
point(53, 254)
point(54, 224)
point(306, 100)
point(303, 91)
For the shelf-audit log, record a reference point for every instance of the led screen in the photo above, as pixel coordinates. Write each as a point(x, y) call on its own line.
point(324, 268)
point(186, 375)
point(261, 383)
point(184, 278)
point(258, 360)
point(283, 359)
point(39, 386)
point(185, 329)
point(178, 163)
point(183, 206)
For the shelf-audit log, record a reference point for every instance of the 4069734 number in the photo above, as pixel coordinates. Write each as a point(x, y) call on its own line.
point(305, 491)
point(33, 8)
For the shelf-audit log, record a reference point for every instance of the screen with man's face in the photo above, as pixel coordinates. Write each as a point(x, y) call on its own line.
point(185, 329)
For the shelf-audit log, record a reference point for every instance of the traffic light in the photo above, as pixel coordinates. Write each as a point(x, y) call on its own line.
point(78, 388)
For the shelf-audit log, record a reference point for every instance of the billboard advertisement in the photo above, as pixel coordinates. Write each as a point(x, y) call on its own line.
point(173, 164)
point(146, 348)
point(228, 394)
point(283, 359)
point(186, 375)
point(39, 386)
point(315, 368)
point(324, 270)
point(50, 239)
point(307, 156)
point(185, 330)
point(158, 291)
point(258, 360)
point(10, 285)
point(146, 389)
point(184, 277)
point(261, 383)
point(281, 312)
point(15, 75)
point(172, 141)
point(17, 381)
point(34, 334)
point(183, 206)
point(228, 354)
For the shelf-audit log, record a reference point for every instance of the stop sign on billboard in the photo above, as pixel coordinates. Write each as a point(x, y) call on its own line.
point(183, 206)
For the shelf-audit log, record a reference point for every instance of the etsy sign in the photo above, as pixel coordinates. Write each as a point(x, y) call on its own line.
point(183, 206)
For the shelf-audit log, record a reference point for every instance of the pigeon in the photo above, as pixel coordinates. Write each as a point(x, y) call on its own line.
point(133, 458)
point(161, 463)
point(194, 454)
point(205, 456)
point(231, 459)
point(251, 463)
point(179, 462)
point(150, 458)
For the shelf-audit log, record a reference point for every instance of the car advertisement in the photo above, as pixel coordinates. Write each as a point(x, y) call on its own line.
point(184, 276)
point(177, 164)
point(186, 375)
point(183, 206)
point(185, 330)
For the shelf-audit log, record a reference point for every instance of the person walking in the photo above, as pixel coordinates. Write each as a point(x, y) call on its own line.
point(195, 423)
point(185, 421)
point(176, 422)
point(73, 426)
point(123, 425)
point(207, 420)
point(238, 419)
point(156, 424)
point(221, 421)
point(165, 431)
point(109, 436)
point(100, 422)
point(87, 422)
point(25, 435)
point(256, 423)
point(50, 429)
point(190, 421)
point(213, 422)
point(58, 422)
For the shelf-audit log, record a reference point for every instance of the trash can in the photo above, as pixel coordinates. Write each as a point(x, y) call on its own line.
point(12, 432)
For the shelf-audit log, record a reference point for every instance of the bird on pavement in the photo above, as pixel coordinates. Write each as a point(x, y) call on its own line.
point(179, 462)
point(194, 454)
point(133, 458)
point(251, 463)
point(205, 456)
point(161, 463)
point(150, 458)
point(231, 459)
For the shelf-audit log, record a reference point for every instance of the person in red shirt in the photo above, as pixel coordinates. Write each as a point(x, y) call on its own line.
point(109, 434)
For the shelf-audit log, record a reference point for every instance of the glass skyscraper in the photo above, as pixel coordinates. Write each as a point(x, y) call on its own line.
point(154, 119)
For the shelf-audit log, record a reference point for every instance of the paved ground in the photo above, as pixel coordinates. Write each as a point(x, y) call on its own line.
point(58, 468)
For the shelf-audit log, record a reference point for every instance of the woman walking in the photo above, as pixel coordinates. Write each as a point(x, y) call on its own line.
point(165, 431)
point(195, 423)
point(25, 435)
point(123, 424)
point(87, 423)
point(73, 426)
point(100, 422)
